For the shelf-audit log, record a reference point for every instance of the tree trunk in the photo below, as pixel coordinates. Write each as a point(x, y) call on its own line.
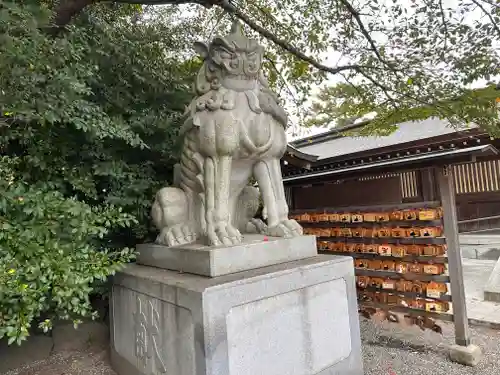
point(66, 10)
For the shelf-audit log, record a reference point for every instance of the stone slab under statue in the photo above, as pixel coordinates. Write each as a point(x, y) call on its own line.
point(221, 292)
point(253, 252)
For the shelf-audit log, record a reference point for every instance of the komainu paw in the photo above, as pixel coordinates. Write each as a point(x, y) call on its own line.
point(176, 235)
point(256, 226)
point(287, 229)
point(224, 234)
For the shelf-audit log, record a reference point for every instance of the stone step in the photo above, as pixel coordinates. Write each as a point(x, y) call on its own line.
point(486, 252)
point(480, 239)
point(492, 288)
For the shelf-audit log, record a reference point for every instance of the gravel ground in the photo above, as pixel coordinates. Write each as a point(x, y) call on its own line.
point(89, 362)
point(388, 349)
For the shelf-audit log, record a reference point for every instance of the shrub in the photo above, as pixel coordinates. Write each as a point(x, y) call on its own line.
point(88, 122)
point(52, 254)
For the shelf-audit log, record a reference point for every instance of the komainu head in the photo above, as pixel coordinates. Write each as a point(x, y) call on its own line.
point(232, 61)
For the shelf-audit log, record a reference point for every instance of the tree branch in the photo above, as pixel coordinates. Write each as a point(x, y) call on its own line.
point(205, 3)
point(436, 104)
point(285, 83)
point(445, 26)
point(364, 31)
point(384, 89)
point(274, 19)
point(67, 9)
point(360, 93)
point(230, 8)
point(491, 3)
point(488, 14)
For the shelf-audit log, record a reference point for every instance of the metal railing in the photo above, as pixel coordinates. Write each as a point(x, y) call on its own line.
point(481, 224)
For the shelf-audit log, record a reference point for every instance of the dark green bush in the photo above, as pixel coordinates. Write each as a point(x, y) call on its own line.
point(88, 122)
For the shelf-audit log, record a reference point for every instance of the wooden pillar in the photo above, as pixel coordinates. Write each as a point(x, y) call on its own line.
point(428, 184)
point(289, 197)
point(447, 193)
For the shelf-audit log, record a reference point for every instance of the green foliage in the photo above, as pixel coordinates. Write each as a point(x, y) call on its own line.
point(52, 250)
point(88, 126)
point(400, 59)
point(417, 60)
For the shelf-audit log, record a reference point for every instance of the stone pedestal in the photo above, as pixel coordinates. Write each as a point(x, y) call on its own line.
point(294, 318)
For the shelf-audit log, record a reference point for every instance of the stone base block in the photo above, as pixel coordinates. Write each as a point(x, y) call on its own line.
point(203, 260)
point(492, 287)
point(466, 355)
point(296, 318)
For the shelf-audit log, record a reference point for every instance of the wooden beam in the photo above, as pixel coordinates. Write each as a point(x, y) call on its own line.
point(447, 193)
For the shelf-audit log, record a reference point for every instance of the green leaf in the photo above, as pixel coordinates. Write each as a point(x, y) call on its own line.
point(92, 117)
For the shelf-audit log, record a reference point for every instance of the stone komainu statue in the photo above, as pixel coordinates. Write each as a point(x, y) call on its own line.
point(235, 130)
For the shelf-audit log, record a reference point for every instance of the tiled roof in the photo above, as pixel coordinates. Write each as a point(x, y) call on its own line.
point(300, 154)
point(330, 144)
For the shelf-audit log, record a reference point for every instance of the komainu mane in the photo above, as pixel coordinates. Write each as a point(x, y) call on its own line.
point(235, 131)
